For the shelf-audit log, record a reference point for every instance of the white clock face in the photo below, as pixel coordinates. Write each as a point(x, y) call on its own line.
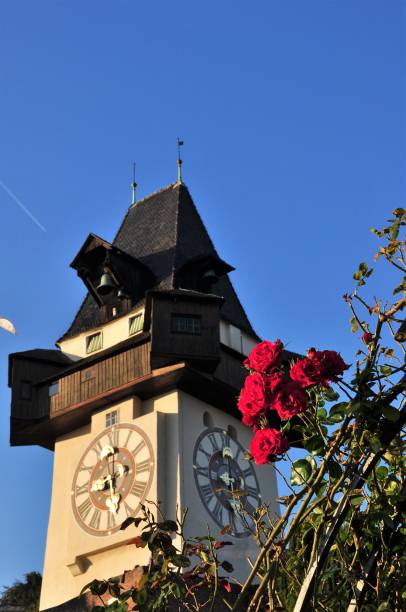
point(227, 484)
point(112, 479)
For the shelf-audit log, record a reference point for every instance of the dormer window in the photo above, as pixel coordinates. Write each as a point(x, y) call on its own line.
point(94, 342)
point(136, 324)
point(186, 324)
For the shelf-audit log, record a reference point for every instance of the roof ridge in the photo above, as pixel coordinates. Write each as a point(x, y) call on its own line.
point(142, 201)
point(176, 236)
point(154, 193)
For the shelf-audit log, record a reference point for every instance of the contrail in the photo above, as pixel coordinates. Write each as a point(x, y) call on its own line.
point(21, 205)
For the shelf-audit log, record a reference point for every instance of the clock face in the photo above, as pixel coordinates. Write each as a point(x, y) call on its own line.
point(227, 484)
point(112, 479)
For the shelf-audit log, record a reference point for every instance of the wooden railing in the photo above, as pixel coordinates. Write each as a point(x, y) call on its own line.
point(98, 378)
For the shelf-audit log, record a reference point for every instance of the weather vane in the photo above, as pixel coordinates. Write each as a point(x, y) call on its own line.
point(133, 187)
point(180, 144)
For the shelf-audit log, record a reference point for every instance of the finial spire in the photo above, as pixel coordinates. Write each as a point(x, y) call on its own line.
point(133, 187)
point(180, 144)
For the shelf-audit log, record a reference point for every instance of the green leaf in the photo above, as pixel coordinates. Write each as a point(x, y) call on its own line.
point(180, 560)
point(168, 526)
point(363, 267)
point(314, 444)
point(381, 472)
point(177, 590)
point(226, 565)
point(375, 444)
point(392, 486)
point(321, 414)
point(356, 500)
point(310, 459)
point(98, 587)
point(142, 597)
point(129, 521)
point(334, 470)
point(301, 471)
point(337, 413)
point(385, 370)
point(390, 413)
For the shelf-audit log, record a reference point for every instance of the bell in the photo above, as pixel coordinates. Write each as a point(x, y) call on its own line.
point(122, 295)
point(106, 284)
point(210, 276)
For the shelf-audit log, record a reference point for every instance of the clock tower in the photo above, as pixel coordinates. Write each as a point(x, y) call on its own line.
point(138, 402)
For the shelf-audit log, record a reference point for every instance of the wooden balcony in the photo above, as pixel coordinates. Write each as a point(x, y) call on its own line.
point(97, 379)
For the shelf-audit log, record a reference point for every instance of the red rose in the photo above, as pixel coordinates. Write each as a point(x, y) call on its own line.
point(306, 372)
point(273, 382)
point(252, 402)
point(332, 363)
point(265, 356)
point(367, 337)
point(318, 367)
point(267, 443)
point(289, 400)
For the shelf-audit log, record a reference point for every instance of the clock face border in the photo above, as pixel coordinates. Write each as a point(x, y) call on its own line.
point(223, 432)
point(110, 430)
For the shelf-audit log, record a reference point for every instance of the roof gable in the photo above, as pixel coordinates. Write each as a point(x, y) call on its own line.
point(164, 231)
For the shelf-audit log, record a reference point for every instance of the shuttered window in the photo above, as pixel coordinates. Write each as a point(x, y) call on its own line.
point(111, 418)
point(186, 324)
point(94, 342)
point(136, 324)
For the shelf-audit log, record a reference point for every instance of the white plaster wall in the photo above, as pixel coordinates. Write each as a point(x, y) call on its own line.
point(173, 422)
point(99, 556)
point(191, 425)
point(232, 336)
point(113, 332)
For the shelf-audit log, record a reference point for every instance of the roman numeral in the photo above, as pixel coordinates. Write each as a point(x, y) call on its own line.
point(207, 492)
point(127, 509)
point(85, 508)
point(213, 441)
point(97, 448)
point(111, 520)
point(130, 433)
point(205, 453)
point(114, 437)
point(247, 472)
point(201, 471)
point(142, 466)
point(79, 489)
point(139, 447)
point(95, 520)
point(218, 511)
point(138, 488)
point(251, 491)
point(86, 468)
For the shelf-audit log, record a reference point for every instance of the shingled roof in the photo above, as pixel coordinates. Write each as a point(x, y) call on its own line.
point(164, 231)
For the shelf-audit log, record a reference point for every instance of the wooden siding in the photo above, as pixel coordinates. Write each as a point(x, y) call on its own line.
point(231, 370)
point(109, 373)
point(181, 346)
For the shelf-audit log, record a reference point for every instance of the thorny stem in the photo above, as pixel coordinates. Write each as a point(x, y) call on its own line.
point(311, 485)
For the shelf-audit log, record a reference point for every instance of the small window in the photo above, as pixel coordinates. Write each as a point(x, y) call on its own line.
point(111, 418)
point(53, 389)
point(94, 342)
point(136, 324)
point(25, 390)
point(186, 324)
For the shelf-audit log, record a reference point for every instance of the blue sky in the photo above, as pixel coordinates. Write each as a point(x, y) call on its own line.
point(293, 117)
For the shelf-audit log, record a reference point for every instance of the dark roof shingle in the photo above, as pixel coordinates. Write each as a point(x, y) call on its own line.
point(164, 231)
